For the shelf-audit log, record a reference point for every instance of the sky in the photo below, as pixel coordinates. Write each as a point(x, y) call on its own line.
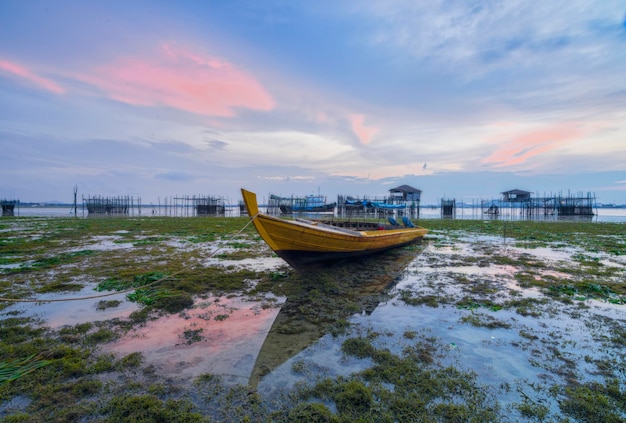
point(461, 99)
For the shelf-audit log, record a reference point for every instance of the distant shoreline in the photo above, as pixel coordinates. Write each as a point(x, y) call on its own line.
point(424, 206)
point(614, 214)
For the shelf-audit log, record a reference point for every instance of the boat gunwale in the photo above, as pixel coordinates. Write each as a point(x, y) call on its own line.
point(324, 227)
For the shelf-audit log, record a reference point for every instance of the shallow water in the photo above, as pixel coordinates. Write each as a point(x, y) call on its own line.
point(500, 357)
point(68, 312)
point(603, 214)
point(217, 335)
point(521, 357)
point(273, 348)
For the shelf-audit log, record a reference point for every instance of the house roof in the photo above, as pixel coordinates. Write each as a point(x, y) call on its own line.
point(516, 191)
point(405, 188)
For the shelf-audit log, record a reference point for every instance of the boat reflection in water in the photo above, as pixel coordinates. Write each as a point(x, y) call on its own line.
point(323, 298)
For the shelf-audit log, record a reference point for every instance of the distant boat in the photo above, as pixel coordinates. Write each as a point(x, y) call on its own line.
point(308, 204)
point(303, 241)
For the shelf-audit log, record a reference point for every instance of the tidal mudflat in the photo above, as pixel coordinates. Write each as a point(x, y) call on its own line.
point(485, 321)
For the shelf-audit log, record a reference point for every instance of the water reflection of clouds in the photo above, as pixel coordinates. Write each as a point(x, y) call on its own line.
point(218, 336)
point(72, 312)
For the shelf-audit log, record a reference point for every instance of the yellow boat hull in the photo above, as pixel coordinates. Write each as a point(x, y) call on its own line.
point(300, 242)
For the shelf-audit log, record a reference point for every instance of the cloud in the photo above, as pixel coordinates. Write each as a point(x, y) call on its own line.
point(280, 147)
point(287, 178)
point(525, 146)
point(364, 133)
point(174, 176)
point(25, 74)
point(216, 144)
point(181, 79)
point(543, 40)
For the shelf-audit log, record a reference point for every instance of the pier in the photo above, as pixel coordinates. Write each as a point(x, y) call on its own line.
point(209, 206)
point(522, 204)
point(448, 208)
point(8, 207)
point(109, 206)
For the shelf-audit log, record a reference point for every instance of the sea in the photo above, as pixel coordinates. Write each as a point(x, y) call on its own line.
point(601, 214)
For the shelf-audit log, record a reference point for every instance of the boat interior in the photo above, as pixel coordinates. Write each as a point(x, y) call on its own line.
point(363, 225)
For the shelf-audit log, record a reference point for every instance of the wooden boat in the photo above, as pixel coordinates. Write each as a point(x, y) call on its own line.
point(303, 241)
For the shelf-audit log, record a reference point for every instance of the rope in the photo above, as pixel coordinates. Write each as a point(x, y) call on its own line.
point(108, 294)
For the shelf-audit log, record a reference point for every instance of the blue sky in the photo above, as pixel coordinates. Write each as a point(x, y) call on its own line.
point(461, 99)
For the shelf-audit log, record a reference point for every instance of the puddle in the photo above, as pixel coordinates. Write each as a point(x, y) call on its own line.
point(11, 265)
point(269, 263)
point(104, 243)
point(72, 312)
point(505, 359)
point(218, 336)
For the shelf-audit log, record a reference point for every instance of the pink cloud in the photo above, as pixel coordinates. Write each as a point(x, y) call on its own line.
point(525, 146)
point(181, 79)
point(364, 133)
point(25, 74)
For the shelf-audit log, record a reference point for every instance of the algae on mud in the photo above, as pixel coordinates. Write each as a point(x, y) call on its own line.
point(543, 298)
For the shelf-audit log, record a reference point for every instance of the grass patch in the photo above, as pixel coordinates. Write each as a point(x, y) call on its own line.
point(606, 403)
point(114, 284)
point(383, 392)
point(582, 291)
point(14, 369)
point(149, 408)
point(485, 321)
